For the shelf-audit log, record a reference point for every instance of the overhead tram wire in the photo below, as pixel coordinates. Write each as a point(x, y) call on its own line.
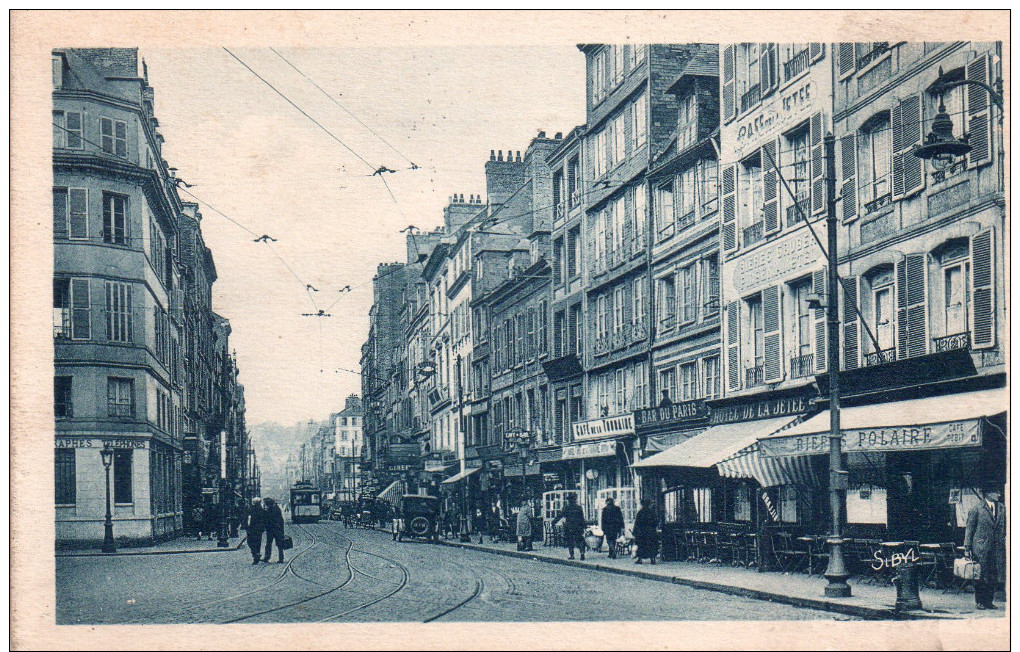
point(345, 109)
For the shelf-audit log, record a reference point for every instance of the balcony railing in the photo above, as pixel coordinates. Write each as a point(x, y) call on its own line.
point(875, 204)
point(754, 376)
point(711, 307)
point(750, 98)
point(754, 233)
point(796, 65)
point(667, 322)
point(958, 342)
point(685, 221)
point(802, 365)
point(796, 213)
point(882, 356)
point(877, 51)
point(938, 176)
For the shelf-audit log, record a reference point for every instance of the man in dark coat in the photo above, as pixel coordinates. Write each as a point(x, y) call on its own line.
point(646, 534)
point(985, 543)
point(256, 525)
point(573, 526)
point(612, 525)
point(274, 530)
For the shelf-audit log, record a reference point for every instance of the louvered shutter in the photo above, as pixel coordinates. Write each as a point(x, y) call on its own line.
point(979, 123)
point(729, 71)
point(851, 327)
point(817, 51)
point(60, 213)
point(848, 190)
point(819, 282)
point(773, 337)
point(733, 345)
point(81, 321)
point(907, 169)
point(768, 74)
point(911, 307)
point(847, 60)
point(770, 186)
point(818, 199)
point(729, 208)
point(982, 252)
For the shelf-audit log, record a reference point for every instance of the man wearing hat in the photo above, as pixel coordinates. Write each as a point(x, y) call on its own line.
point(256, 526)
point(985, 543)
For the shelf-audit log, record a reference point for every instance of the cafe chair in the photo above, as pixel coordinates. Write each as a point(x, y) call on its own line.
point(818, 556)
point(795, 559)
point(751, 542)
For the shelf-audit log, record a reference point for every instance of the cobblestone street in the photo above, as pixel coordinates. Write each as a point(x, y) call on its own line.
point(342, 575)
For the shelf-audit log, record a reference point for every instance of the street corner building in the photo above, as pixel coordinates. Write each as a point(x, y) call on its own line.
point(641, 308)
point(149, 415)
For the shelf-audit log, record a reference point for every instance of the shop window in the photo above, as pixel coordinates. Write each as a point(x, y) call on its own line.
point(65, 476)
point(874, 163)
point(702, 500)
point(122, 463)
point(866, 504)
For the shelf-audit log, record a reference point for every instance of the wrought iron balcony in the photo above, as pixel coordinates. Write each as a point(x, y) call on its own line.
point(750, 98)
point(754, 376)
point(667, 322)
point(802, 366)
point(883, 356)
point(685, 221)
point(957, 342)
point(754, 233)
point(796, 65)
point(876, 204)
point(877, 51)
point(797, 213)
point(938, 176)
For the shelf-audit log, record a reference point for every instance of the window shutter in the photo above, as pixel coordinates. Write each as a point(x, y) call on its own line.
point(81, 325)
point(78, 212)
point(773, 51)
point(848, 191)
point(847, 60)
point(982, 250)
point(851, 336)
point(733, 345)
point(729, 98)
point(768, 74)
point(60, 213)
point(817, 51)
point(979, 124)
point(729, 208)
point(907, 169)
point(819, 281)
point(911, 307)
point(770, 186)
point(773, 338)
point(818, 203)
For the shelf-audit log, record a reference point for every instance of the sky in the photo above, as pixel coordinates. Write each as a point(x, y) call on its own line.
point(255, 158)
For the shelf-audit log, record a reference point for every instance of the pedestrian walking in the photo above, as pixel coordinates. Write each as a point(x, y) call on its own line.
point(985, 543)
point(274, 530)
point(646, 534)
point(524, 525)
point(573, 526)
point(256, 525)
point(198, 521)
point(493, 522)
point(612, 524)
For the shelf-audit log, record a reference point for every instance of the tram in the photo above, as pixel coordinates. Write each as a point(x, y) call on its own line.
point(305, 503)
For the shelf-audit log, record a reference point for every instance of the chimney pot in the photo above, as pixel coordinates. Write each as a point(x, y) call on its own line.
point(492, 155)
point(559, 135)
point(462, 198)
point(541, 134)
point(500, 156)
point(518, 156)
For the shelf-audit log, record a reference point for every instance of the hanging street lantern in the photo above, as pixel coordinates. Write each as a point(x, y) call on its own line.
point(940, 146)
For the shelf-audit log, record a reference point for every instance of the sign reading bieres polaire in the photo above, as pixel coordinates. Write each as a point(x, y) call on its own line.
point(605, 427)
point(874, 440)
point(590, 449)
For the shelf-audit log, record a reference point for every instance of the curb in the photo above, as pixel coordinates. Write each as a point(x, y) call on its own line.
point(868, 613)
point(153, 552)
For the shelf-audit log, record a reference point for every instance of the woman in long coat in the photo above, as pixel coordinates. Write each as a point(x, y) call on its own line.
point(524, 525)
point(646, 534)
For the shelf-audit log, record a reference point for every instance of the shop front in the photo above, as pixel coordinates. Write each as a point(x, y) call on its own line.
point(600, 458)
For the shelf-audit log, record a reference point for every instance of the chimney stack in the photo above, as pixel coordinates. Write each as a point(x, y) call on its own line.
point(559, 135)
point(541, 134)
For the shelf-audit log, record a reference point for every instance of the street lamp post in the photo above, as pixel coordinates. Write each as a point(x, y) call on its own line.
point(222, 540)
point(109, 545)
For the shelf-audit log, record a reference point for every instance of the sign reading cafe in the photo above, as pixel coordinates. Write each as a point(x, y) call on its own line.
point(607, 427)
point(868, 440)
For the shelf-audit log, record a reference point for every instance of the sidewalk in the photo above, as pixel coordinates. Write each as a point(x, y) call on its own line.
point(181, 545)
point(868, 601)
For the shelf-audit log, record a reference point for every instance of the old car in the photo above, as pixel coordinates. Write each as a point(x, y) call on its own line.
point(418, 518)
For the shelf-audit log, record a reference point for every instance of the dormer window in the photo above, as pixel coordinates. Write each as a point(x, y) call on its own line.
point(58, 71)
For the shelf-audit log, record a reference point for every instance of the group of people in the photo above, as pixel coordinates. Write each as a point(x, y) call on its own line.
point(265, 517)
point(646, 534)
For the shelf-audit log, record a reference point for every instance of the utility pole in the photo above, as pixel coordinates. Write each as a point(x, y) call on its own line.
point(836, 572)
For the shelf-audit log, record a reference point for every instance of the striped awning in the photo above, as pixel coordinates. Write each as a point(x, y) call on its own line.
point(715, 444)
point(393, 492)
point(769, 471)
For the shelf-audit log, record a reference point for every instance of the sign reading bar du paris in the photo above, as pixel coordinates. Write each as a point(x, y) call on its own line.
point(606, 427)
point(900, 438)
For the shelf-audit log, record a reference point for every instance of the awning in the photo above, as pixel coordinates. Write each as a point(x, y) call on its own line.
point(769, 471)
point(715, 444)
point(393, 492)
point(461, 475)
point(949, 421)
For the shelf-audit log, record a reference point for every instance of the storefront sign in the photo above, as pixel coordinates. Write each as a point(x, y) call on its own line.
point(775, 262)
point(669, 414)
point(904, 438)
point(592, 449)
point(68, 442)
point(766, 123)
point(606, 427)
point(767, 409)
point(73, 443)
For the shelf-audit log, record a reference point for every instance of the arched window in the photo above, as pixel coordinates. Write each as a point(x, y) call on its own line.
point(878, 299)
point(951, 290)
